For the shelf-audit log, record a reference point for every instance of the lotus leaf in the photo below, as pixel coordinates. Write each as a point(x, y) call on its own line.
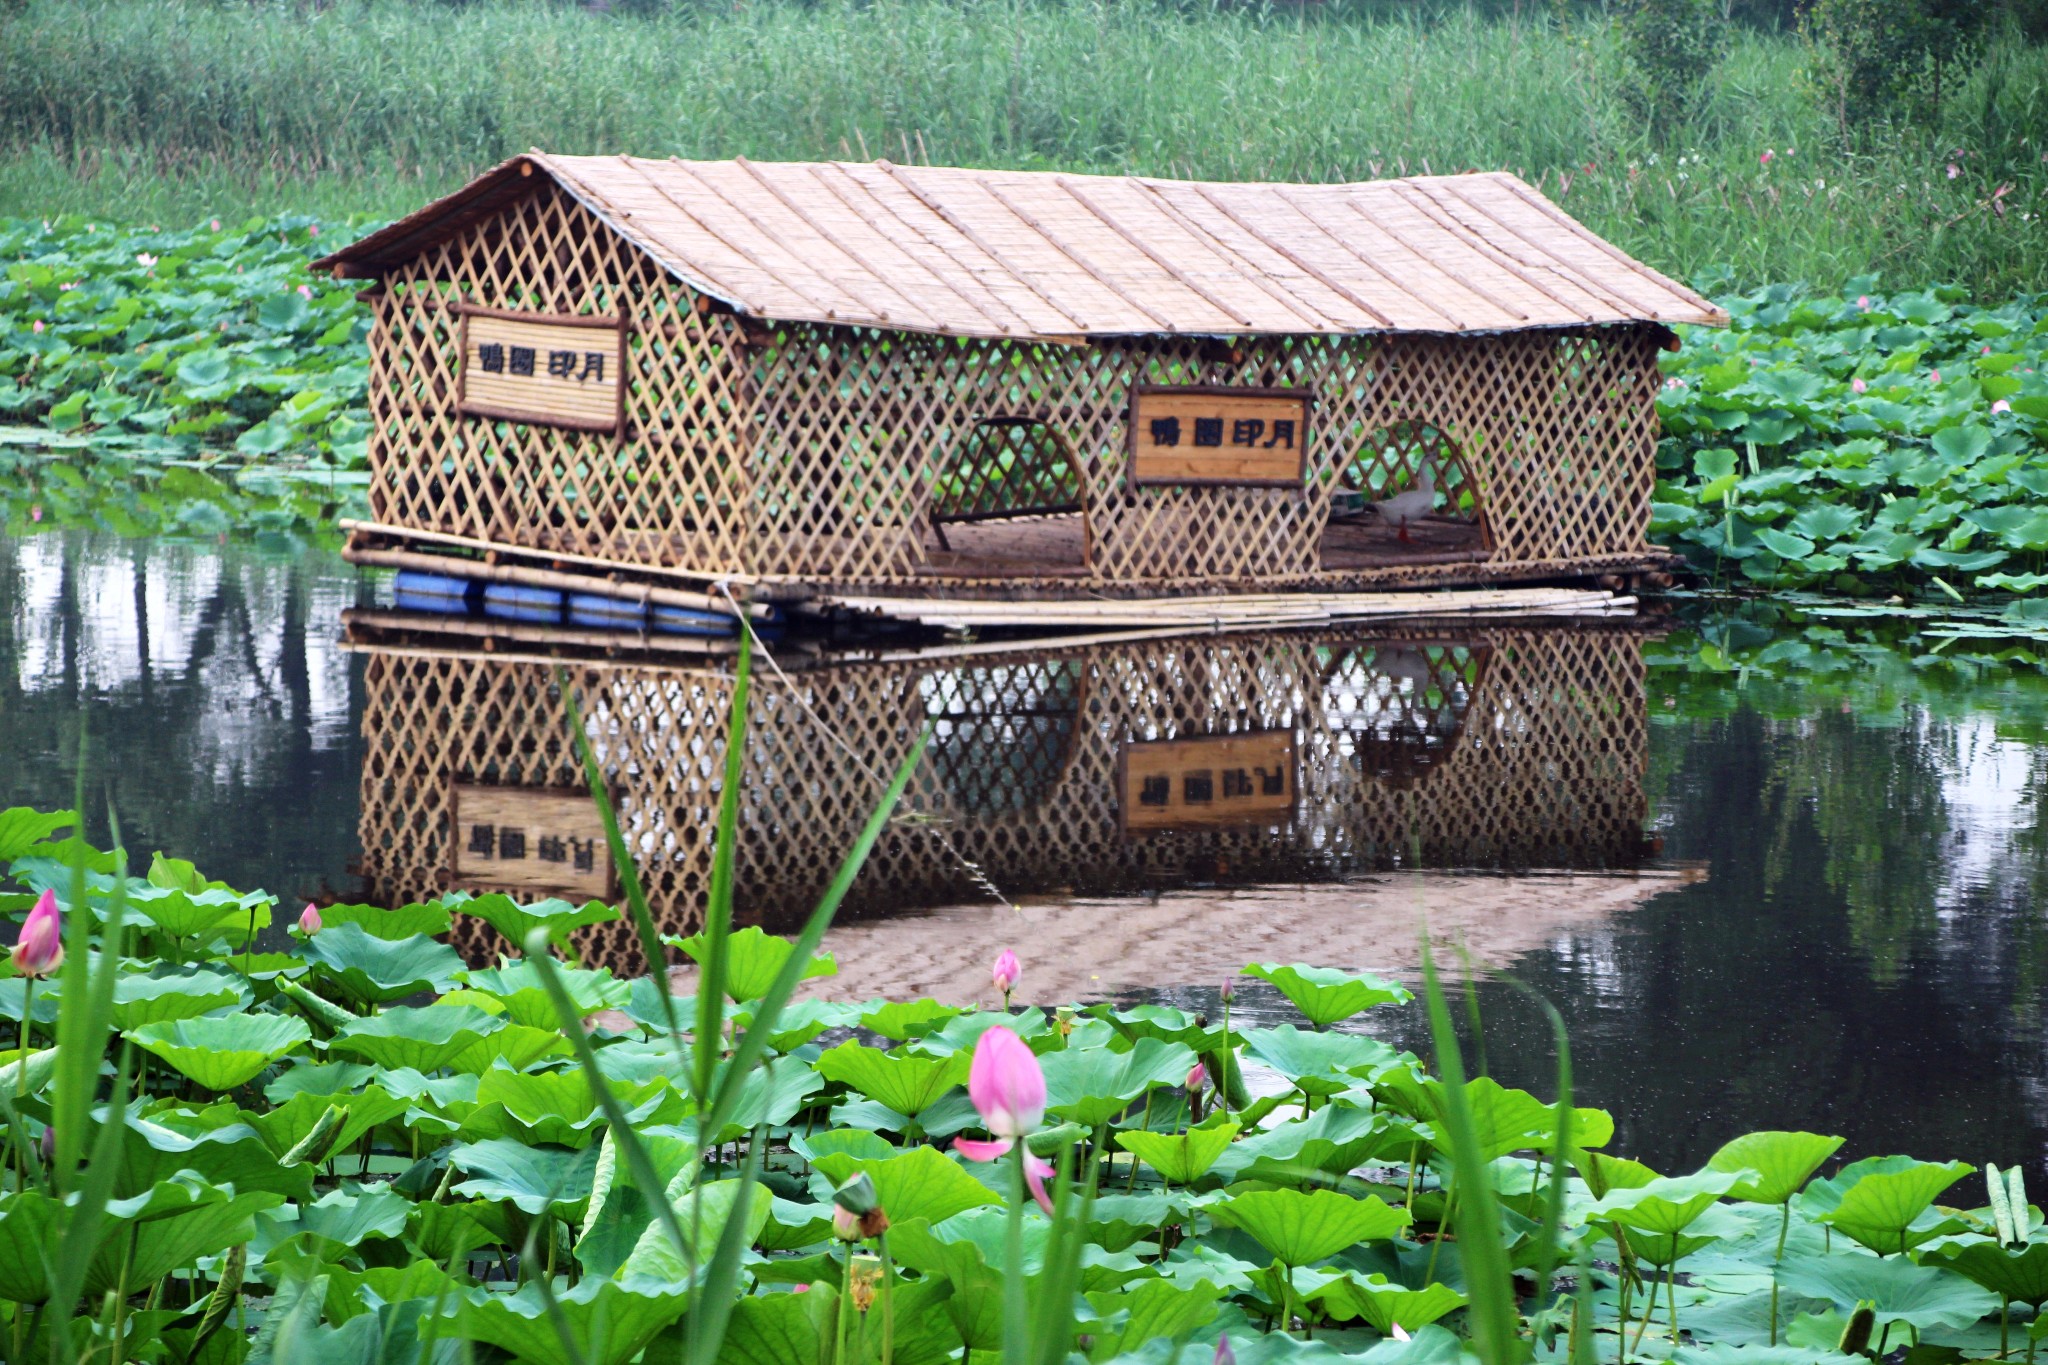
point(963, 1031)
point(1093, 1086)
point(792, 1225)
point(1879, 1200)
point(343, 1219)
point(223, 1053)
point(1301, 1228)
point(169, 1225)
point(1779, 1163)
point(430, 918)
point(560, 1106)
point(774, 1329)
point(921, 1182)
point(1923, 1296)
point(532, 1179)
point(605, 1322)
point(515, 921)
point(800, 1021)
point(1506, 1120)
point(753, 959)
point(376, 971)
point(1383, 1304)
point(703, 1213)
point(362, 1109)
point(620, 1211)
point(513, 1045)
point(1759, 1355)
point(1116, 1221)
point(1668, 1204)
point(1325, 995)
point(518, 985)
point(903, 1020)
point(1164, 1022)
point(425, 1039)
point(1329, 1142)
point(905, 1083)
point(1319, 1064)
point(140, 1000)
point(1154, 1310)
point(233, 1154)
point(23, 827)
point(1180, 1159)
point(2017, 1273)
point(771, 1094)
point(201, 915)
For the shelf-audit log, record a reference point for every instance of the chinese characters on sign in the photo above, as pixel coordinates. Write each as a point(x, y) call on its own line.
point(555, 371)
point(1196, 435)
point(515, 838)
point(1207, 782)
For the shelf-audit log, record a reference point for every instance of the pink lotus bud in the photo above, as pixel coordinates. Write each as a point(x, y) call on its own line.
point(48, 1146)
point(1198, 1076)
point(1935, 375)
point(35, 512)
point(40, 949)
point(305, 291)
point(1765, 159)
point(2001, 406)
point(313, 231)
point(36, 326)
point(309, 919)
point(1229, 989)
point(845, 1224)
point(1858, 384)
point(1985, 351)
point(1006, 1084)
point(1005, 972)
point(1224, 1355)
point(1863, 302)
point(216, 225)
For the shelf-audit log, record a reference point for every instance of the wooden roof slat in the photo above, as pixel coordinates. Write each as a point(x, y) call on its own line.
point(1057, 258)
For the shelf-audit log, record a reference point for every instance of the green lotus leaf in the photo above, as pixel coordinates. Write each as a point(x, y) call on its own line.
point(363, 1109)
point(703, 1213)
point(222, 1053)
point(1319, 1064)
point(903, 1020)
point(512, 1045)
point(1180, 1158)
point(202, 915)
point(232, 1154)
point(23, 827)
point(1725, 1354)
point(560, 1107)
point(343, 1219)
point(906, 1084)
point(140, 1000)
point(856, 1143)
point(1879, 1200)
point(1781, 1163)
point(605, 1322)
point(170, 1225)
point(775, 1329)
point(444, 1232)
point(771, 1094)
point(515, 921)
point(1920, 1295)
point(1667, 1205)
point(318, 1078)
point(1151, 1311)
point(1506, 1120)
point(1384, 1305)
point(376, 971)
point(518, 985)
point(431, 918)
point(532, 1179)
point(1333, 1140)
point(963, 1031)
point(1325, 995)
point(1603, 1173)
point(1092, 1086)
point(2017, 1273)
point(425, 1039)
point(1164, 1022)
point(620, 1211)
point(753, 959)
point(1301, 1228)
point(921, 1182)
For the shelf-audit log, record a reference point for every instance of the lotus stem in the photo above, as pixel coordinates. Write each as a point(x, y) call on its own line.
point(1671, 1295)
point(1228, 1059)
point(1145, 1125)
point(888, 1300)
point(845, 1303)
point(1784, 1226)
point(2004, 1324)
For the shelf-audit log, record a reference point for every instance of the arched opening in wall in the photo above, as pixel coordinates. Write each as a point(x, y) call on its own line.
point(1399, 708)
point(1007, 501)
point(1407, 496)
point(1002, 736)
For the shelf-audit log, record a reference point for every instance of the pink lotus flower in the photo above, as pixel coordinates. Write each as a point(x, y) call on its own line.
point(1198, 1076)
point(1767, 157)
point(1985, 351)
point(1007, 1088)
point(40, 949)
point(47, 1147)
point(1004, 974)
point(1858, 384)
point(313, 231)
point(2001, 406)
point(1863, 302)
point(216, 225)
point(36, 326)
point(1935, 375)
point(67, 287)
point(1229, 989)
point(305, 291)
point(35, 512)
point(309, 920)
point(143, 258)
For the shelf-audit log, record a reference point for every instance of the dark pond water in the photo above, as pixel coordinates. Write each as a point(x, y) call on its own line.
point(1773, 872)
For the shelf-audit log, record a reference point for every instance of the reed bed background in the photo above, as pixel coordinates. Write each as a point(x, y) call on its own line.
point(175, 110)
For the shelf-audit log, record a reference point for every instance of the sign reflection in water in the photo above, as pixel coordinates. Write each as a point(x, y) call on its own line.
point(1497, 747)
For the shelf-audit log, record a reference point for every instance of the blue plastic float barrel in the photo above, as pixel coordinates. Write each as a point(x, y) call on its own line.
point(441, 593)
point(516, 602)
point(595, 612)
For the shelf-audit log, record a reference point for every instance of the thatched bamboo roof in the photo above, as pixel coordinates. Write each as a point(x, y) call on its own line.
point(1025, 254)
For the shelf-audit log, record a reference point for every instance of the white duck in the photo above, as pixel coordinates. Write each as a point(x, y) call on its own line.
point(1417, 503)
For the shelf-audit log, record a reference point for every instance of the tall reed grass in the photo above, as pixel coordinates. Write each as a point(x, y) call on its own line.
point(174, 109)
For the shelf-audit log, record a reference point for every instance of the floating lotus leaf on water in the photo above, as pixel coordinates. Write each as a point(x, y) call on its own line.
point(1325, 995)
point(1922, 1296)
point(376, 971)
point(904, 1083)
point(921, 1182)
point(140, 1000)
point(1779, 1163)
point(1301, 1228)
point(1093, 1086)
point(515, 921)
point(1880, 1201)
point(1180, 1159)
point(425, 1039)
point(222, 1053)
point(430, 918)
point(753, 959)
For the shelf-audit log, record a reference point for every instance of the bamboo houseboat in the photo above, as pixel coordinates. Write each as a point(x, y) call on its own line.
point(821, 382)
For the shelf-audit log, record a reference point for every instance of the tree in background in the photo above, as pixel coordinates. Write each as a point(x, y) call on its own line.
point(1668, 49)
point(1879, 58)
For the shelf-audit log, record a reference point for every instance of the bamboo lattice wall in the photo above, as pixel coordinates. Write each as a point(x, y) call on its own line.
point(815, 454)
point(1495, 747)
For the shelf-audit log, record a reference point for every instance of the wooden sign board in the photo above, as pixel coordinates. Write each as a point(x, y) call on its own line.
point(1204, 435)
point(1207, 783)
point(529, 839)
point(542, 368)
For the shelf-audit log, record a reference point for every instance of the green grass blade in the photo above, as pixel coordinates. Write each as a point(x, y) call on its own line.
point(712, 1310)
point(718, 905)
point(1481, 1243)
point(1552, 1231)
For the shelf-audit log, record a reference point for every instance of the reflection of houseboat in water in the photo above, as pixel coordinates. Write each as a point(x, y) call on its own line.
point(1087, 769)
